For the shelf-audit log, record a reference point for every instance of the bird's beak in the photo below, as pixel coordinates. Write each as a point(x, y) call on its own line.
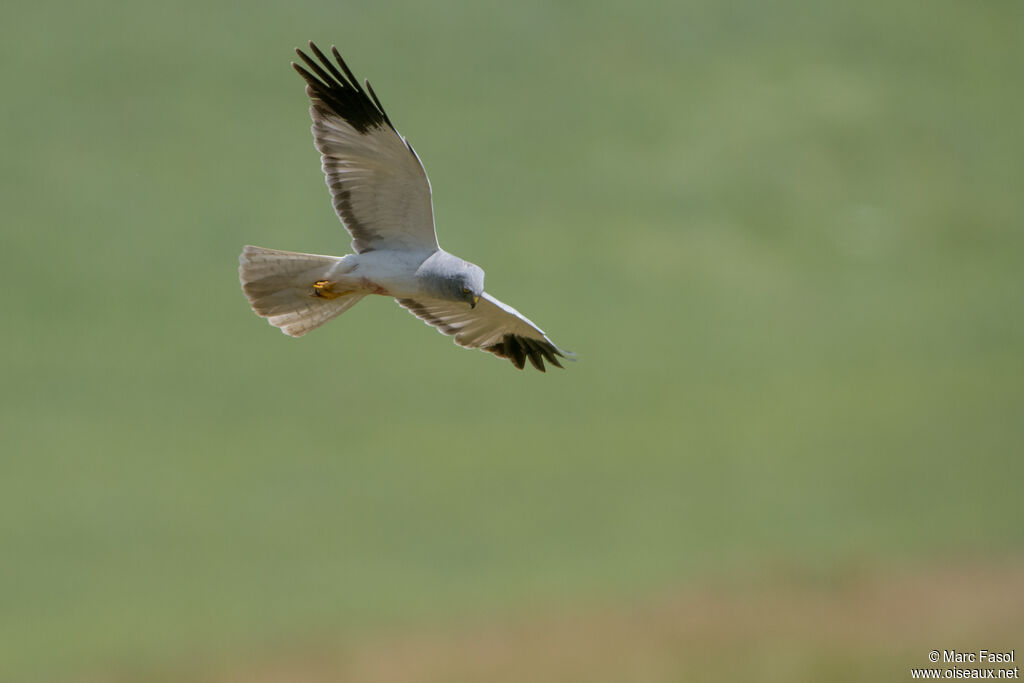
point(475, 299)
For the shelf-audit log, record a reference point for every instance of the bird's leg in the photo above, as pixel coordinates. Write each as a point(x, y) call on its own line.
point(322, 289)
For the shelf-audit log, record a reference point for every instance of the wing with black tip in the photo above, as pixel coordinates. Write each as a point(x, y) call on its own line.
point(491, 326)
point(379, 187)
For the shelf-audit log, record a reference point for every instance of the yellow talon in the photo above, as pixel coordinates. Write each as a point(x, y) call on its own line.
point(322, 289)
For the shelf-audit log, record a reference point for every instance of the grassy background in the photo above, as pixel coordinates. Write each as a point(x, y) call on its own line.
point(785, 240)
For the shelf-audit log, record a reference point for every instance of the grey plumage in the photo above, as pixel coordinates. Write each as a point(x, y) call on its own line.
point(382, 196)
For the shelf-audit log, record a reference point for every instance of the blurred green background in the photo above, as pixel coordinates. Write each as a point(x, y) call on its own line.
point(784, 238)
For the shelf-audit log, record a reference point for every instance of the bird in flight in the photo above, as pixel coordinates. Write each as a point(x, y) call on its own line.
point(382, 196)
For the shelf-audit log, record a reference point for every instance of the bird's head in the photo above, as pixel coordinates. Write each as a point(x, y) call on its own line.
point(467, 285)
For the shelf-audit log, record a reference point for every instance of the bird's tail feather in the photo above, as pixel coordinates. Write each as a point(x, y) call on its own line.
point(282, 287)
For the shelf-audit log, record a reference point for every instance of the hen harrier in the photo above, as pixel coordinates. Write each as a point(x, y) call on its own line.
point(382, 196)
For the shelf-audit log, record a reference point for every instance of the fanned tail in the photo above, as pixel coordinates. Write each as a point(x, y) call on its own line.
point(284, 287)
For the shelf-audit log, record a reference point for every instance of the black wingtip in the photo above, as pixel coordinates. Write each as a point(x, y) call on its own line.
point(520, 349)
point(376, 101)
point(339, 91)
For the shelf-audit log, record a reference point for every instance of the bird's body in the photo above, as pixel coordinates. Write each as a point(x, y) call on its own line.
point(382, 196)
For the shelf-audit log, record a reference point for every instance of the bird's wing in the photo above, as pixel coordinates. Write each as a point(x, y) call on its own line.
point(379, 187)
point(491, 326)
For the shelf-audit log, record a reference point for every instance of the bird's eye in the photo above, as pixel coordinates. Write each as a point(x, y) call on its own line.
point(465, 290)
